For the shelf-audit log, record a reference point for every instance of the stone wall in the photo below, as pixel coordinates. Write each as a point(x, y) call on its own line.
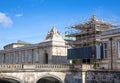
point(33, 77)
point(103, 77)
point(73, 77)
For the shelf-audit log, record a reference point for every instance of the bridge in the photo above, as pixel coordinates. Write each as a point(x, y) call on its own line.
point(40, 73)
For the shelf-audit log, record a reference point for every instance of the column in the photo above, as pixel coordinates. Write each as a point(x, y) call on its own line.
point(83, 76)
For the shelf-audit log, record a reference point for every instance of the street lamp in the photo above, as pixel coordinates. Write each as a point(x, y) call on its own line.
point(111, 53)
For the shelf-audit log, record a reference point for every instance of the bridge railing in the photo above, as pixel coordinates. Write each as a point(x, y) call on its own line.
point(38, 67)
point(53, 67)
point(10, 67)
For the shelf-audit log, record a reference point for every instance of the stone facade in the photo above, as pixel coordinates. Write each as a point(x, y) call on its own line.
point(111, 49)
point(33, 77)
point(51, 51)
point(103, 77)
point(22, 62)
point(32, 73)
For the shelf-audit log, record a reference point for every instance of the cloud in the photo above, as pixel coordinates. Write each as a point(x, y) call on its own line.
point(5, 21)
point(19, 15)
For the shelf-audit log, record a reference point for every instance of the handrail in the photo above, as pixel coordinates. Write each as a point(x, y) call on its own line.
point(38, 67)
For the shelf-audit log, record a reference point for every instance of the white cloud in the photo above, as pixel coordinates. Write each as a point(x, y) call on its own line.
point(5, 21)
point(19, 15)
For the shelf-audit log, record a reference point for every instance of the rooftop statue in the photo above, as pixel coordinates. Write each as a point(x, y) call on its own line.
point(54, 34)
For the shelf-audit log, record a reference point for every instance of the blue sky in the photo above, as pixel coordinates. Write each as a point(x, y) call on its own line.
point(30, 20)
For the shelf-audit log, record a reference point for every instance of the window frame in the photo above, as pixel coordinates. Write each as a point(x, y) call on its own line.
point(105, 49)
point(118, 48)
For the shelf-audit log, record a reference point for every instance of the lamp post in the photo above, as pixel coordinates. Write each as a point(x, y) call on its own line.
point(111, 53)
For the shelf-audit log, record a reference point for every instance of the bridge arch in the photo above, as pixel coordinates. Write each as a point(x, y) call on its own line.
point(9, 79)
point(48, 78)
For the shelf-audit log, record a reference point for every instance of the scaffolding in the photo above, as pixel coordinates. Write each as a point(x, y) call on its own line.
point(87, 34)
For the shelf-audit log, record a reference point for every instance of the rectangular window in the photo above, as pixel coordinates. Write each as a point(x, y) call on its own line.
point(16, 57)
point(105, 50)
point(29, 55)
point(23, 56)
point(7, 58)
point(36, 55)
point(2, 58)
point(118, 49)
point(12, 57)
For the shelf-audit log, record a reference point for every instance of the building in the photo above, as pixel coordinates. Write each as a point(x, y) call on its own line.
point(51, 51)
point(95, 48)
point(44, 62)
point(111, 42)
point(96, 42)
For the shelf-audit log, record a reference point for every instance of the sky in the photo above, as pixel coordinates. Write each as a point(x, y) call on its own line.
point(30, 20)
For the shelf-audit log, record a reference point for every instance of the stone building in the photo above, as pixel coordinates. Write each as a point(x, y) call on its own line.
point(51, 51)
point(111, 42)
point(97, 43)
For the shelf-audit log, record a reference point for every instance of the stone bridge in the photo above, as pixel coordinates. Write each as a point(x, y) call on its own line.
point(40, 73)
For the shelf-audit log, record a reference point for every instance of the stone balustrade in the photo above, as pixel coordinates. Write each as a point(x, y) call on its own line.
point(86, 67)
point(52, 67)
point(37, 67)
point(10, 67)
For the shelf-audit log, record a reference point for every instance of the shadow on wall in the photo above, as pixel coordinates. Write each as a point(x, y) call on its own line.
point(48, 80)
point(8, 80)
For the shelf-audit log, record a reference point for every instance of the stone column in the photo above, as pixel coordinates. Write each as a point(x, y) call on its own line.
point(83, 76)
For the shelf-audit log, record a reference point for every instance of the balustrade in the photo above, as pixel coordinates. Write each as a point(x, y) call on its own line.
point(37, 67)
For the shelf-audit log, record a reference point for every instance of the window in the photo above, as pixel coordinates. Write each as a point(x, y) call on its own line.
point(10, 58)
point(86, 61)
point(2, 58)
point(7, 58)
point(29, 55)
point(23, 56)
point(105, 50)
point(118, 49)
point(16, 57)
point(36, 55)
